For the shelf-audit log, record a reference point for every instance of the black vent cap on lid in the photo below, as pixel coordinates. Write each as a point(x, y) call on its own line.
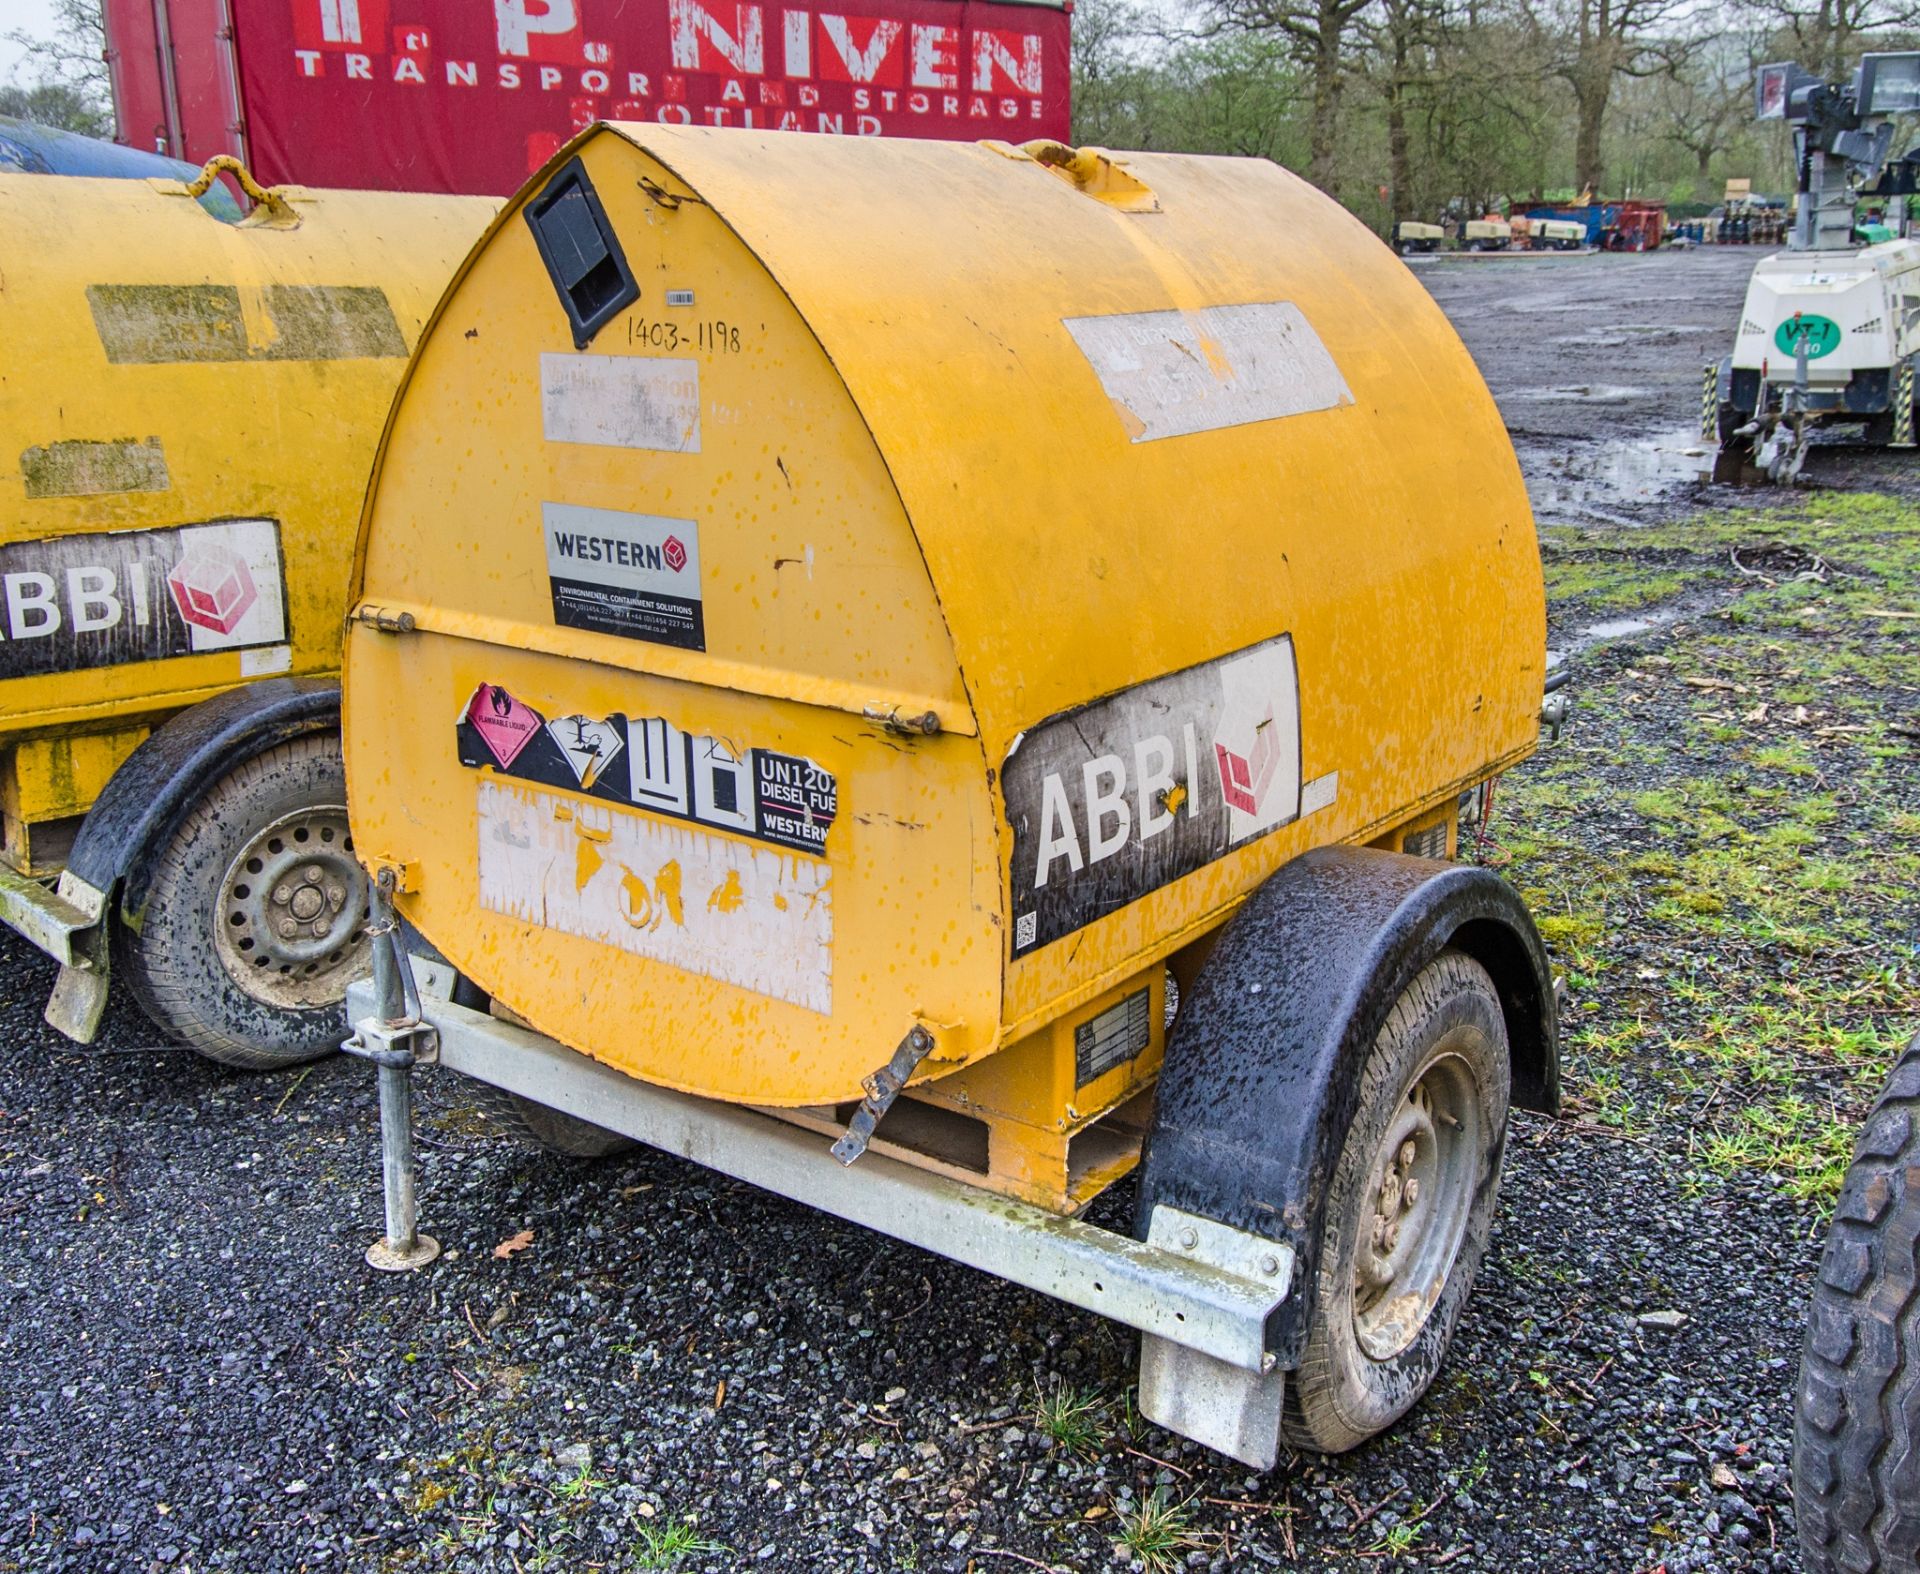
point(582, 254)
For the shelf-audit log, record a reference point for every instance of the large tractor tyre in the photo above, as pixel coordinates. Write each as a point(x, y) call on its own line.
point(1409, 1208)
point(540, 1127)
point(1856, 1430)
point(256, 915)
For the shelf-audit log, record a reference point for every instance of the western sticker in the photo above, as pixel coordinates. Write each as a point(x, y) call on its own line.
point(1112, 1038)
point(1173, 373)
point(635, 575)
point(749, 916)
point(71, 603)
point(648, 763)
point(1118, 798)
point(621, 401)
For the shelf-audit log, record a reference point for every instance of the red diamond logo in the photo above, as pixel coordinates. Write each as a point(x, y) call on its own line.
point(674, 553)
point(212, 588)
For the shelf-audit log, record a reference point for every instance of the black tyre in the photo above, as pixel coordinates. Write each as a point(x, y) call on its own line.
point(1409, 1208)
point(1856, 1430)
point(540, 1127)
point(256, 917)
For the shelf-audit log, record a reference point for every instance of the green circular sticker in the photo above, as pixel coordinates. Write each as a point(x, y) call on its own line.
point(1822, 335)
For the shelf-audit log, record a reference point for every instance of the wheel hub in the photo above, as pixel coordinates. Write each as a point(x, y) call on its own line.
point(1419, 1196)
point(292, 907)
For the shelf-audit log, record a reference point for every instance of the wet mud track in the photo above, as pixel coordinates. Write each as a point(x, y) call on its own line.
point(198, 1371)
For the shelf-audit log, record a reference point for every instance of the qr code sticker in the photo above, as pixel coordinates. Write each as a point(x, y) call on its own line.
point(1025, 928)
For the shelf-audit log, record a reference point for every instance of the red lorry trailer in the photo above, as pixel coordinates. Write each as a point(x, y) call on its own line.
point(472, 95)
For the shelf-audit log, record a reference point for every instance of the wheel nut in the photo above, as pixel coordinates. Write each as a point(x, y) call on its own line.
point(311, 874)
point(1407, 1151)
point(288, 928)
point(283, 894)
point(1413, 1193)
point(336, 896)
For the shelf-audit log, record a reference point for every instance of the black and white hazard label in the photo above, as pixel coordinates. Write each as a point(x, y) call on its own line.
point(635, 575)
point(69, 603)
point(647, 762)
point(1120, 797)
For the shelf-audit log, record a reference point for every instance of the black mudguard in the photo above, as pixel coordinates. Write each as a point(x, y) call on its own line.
point(154, 791)
point(1263, 1065)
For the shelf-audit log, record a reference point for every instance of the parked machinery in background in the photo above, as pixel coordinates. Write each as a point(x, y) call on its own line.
point(192, 408)
point(1558, 235)
point(1827, 335)
point(1489, 234)
point(1415, 239)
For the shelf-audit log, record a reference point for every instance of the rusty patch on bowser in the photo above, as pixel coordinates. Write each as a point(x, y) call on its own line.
point(167, 324)
point(83, 468)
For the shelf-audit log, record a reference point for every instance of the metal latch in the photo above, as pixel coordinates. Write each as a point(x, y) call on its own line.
point(883, 1087)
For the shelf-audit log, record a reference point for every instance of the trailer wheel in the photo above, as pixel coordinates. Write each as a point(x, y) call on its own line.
point(1409, 1208)
point(254, 919)
point(1856, 1472)
point(541, 1127)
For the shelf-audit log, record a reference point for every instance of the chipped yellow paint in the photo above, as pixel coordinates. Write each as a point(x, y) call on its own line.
point(887, 395)
point(96, 442)
point(726, 897)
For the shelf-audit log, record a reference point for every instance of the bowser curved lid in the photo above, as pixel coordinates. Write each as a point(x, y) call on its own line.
point(1142, 411)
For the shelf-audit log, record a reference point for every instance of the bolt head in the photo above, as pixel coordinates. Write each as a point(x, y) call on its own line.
point(1407, 1152)
point(1269, 1265)
point(1189, 1238)
point(311, 874)
point(283, 894)
point(1412, 1194)
point(288, 928)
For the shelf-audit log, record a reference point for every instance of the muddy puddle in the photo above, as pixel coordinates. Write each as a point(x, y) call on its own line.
point(1609, 479)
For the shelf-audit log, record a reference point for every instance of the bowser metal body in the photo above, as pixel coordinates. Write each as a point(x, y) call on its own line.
point(191, 407)
point(846, 638)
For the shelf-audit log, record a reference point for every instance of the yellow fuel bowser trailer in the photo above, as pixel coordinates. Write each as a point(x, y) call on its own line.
point(190, 409)
point(847, 633)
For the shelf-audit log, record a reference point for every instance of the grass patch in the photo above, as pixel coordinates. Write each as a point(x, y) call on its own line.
point(1071, 1417)
point(664, 1546)
point(1158, 1531)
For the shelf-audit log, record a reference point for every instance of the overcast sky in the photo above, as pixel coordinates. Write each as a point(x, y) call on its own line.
point(32, 16)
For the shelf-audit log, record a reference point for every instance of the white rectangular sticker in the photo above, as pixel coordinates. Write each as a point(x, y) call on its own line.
point(749, 916)
point(1172, 373)
point(621, 401)
point(635, 575)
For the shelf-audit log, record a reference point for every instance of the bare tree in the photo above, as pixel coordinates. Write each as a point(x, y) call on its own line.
point(69, 85)
point(1828, 36)
point(1707, 95)
point(1317, 34)
point(1600, 41)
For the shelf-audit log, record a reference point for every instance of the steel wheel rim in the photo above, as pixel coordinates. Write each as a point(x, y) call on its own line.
point(1417, 1202)
point(290, 921)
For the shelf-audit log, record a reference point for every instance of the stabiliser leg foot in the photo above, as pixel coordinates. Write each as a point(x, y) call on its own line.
point(390, 1257)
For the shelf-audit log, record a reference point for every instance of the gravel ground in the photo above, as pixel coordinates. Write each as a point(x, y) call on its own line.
point(197, 1371)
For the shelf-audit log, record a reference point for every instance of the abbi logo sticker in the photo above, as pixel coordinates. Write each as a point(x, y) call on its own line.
point(1129, 793)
